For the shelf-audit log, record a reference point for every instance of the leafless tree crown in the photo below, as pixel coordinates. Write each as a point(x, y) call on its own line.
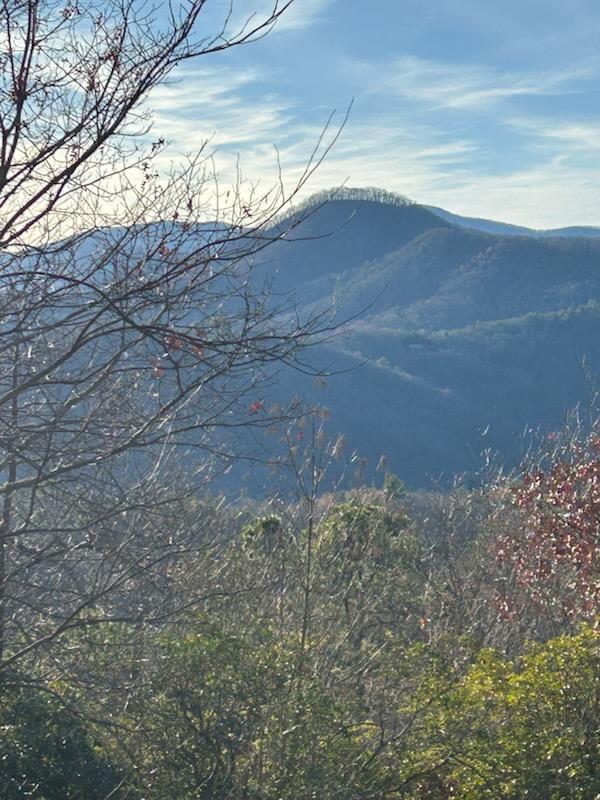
point(131, 329)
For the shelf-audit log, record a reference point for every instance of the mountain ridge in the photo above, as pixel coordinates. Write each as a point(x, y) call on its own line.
point(509, 229)
point(450, 330)
point(459, 331)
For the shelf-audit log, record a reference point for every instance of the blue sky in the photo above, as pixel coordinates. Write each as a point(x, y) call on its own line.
point(485, 108)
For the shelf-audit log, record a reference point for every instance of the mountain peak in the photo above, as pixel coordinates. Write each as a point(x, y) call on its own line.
point(357, 194)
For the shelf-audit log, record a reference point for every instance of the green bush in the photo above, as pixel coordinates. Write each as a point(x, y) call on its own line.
point(47, 752)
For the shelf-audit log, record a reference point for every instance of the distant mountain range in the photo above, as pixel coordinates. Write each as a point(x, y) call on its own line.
point(465, 336)
point(469, 332)
point(491, 226)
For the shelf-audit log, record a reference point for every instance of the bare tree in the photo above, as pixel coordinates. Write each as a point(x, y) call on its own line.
point(131, 330)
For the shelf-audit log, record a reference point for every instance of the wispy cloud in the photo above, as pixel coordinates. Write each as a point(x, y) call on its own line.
point(572, 137)
point(447, 85)
point(226, 106)
point(547, 195)
point(239, 116)
point(247, 14)
point(301, 14)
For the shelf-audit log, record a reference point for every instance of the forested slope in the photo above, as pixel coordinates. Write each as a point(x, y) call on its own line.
point(458, 341)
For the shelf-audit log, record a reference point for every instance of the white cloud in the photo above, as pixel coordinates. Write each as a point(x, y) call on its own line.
point(223, 106)
point(301, 14)
point(461, 86)
point(366, 152)
point(570, 137)
point(549, 195)
point(248, 14)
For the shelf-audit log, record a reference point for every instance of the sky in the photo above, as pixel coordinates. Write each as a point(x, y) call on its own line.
point(487, 109)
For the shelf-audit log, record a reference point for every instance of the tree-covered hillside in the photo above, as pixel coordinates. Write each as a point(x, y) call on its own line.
point(458, 342)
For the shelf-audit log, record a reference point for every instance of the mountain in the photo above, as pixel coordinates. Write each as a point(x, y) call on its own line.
point(492, 226)
point(459, 344)
point(460, 340)
point(326, 237)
